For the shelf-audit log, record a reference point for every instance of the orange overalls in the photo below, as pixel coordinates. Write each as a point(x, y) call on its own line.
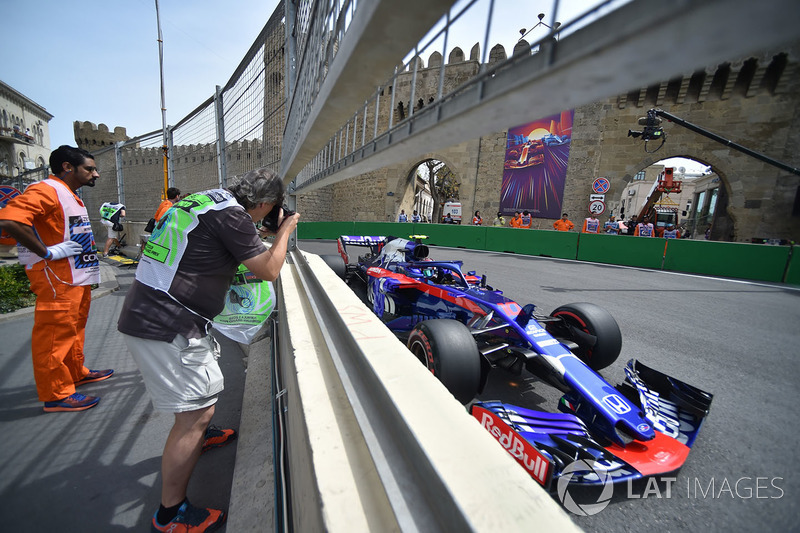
point(162, 208)
point(61, 309)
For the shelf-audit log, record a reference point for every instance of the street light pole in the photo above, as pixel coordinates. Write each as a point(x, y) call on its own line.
point(164, 146)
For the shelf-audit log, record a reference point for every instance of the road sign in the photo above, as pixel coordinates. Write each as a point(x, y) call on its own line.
point(593, 197)
point(597, 207)
point(601, 185)
point(7, 193)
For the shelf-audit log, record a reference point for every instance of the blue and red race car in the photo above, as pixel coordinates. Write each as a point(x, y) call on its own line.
point(462, 329)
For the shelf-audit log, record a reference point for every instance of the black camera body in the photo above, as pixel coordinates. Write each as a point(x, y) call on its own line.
point(270, 222)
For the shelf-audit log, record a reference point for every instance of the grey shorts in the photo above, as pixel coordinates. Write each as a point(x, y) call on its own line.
point(182, 375)
point(110, 229)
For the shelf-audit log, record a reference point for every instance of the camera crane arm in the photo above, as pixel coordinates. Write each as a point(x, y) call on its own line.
point(652, 115)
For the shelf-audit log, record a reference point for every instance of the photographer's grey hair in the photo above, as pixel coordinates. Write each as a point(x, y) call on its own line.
point(257, 186)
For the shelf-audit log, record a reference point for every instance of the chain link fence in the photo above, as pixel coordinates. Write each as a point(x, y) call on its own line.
point(237, 129)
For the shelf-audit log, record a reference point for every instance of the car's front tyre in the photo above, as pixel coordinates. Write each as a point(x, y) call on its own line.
point(446, 347)
point(595, 332)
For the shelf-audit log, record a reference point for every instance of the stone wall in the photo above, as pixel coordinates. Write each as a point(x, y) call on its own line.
point(752, 101)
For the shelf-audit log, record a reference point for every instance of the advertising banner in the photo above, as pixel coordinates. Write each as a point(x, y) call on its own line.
point(536, 166)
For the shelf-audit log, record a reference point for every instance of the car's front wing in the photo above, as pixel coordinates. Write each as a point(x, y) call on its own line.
point(552, 445)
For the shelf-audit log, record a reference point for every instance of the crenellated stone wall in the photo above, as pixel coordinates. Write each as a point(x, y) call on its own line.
point(752, 101)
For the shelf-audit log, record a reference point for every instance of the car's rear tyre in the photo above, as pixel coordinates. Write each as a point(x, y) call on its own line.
point(600, 327)
point(336, 263)
point(446, 347)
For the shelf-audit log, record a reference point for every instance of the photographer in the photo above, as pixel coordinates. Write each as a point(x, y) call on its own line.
point(110, 215)
point(181, 282)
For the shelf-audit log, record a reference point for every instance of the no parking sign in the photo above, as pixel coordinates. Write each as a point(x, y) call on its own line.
point(601, 186)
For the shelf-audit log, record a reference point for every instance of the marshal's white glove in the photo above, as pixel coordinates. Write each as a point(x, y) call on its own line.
point(62, 250)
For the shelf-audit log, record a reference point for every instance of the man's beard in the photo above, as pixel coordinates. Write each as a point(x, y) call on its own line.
point(90, 183)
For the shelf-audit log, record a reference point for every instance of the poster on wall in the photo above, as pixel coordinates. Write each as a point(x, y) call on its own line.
point(536, 166)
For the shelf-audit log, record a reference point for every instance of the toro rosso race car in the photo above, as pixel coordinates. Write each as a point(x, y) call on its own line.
point(462, 329)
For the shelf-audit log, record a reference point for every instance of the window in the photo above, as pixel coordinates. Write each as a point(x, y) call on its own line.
point(639, 176)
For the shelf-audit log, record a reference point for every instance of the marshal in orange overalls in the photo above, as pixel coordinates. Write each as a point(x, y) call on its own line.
point(61, 308)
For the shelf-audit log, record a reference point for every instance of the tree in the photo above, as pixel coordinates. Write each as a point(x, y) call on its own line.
point(442, 182)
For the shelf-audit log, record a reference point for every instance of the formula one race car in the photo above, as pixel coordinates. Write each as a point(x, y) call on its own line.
point(461, 329)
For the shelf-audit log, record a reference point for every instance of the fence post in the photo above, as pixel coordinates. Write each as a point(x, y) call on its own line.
point(120, 173)
point(291, 48)
point(171, 156)
point(219, 111)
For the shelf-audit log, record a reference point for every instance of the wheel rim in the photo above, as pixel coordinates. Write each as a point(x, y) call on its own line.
point(421, 354)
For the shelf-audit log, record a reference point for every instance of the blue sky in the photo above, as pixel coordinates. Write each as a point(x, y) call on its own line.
point(98, 60)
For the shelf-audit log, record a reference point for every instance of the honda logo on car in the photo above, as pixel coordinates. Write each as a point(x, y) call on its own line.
point(617, 404)
point(536, 463)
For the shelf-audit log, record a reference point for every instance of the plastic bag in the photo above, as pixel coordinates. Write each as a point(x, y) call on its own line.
point(248, 304)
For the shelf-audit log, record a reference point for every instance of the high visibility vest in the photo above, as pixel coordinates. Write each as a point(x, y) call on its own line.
point(170, 238)
point(108, 210)
point(591, 225)
point(84, 267)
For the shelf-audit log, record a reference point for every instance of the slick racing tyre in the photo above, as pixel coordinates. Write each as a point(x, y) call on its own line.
point(336, 263)
point(447, 349)
point(595, 332)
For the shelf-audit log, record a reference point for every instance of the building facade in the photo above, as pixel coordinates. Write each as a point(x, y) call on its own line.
point(24, 139)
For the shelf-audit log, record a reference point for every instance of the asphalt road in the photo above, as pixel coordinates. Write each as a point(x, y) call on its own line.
point(737, 340)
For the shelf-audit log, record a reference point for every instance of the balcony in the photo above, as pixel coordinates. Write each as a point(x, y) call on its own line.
point(16, 136)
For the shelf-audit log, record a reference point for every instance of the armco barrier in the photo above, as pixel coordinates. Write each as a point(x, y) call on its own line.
point(395, 229)
point(731, 259)
point(621, 250)
point(560, 244)
point(455, 235)
point(324, 230)
point(736, 260)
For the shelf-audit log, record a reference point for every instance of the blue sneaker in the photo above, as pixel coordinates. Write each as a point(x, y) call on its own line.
point(76, 402)
point(95, 375)
point(191, 519)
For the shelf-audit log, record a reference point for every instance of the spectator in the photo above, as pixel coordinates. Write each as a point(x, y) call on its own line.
point(402, 217)
point(415, 217)
point(563, 224)
point(500, 220)
point(52, 224)
point(448, 219)
point(526, 221)
point(173, 195)
point(516, 221)
point(165, 321)
point(708, 233)
point(591, 224)
point(477, 220)
point(110, 215)
point(632, 225)
point(671, 233)
point(611, 226)
point(645, 228)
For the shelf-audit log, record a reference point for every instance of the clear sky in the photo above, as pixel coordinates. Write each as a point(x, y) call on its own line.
point(97, 60)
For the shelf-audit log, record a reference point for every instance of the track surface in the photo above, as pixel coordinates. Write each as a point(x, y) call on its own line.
point(738, 340)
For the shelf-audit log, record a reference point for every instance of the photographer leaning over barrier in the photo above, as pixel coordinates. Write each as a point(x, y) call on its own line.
point(181, 282)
